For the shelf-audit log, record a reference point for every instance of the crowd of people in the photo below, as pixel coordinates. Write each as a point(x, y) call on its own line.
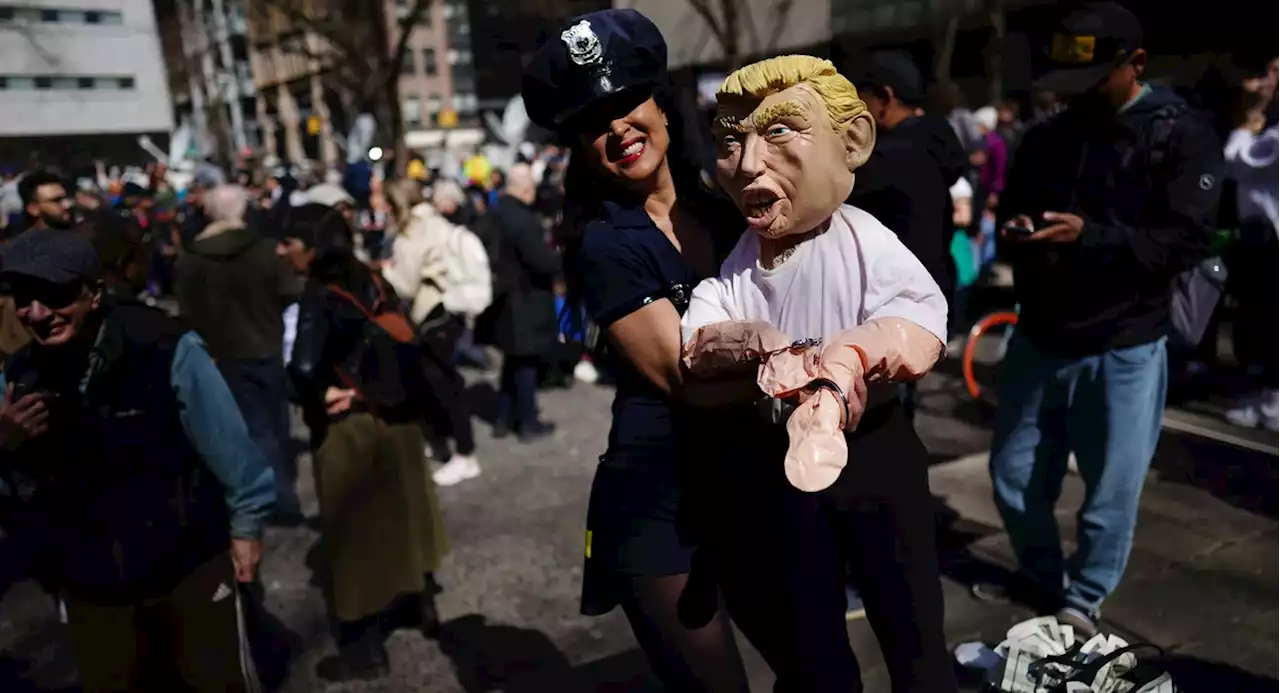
point(138, 448)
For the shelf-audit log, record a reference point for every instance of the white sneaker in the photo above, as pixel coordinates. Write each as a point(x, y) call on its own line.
point(585, 372)
point(1269, 410)
point(1244, 414)
point(459, 468)
point(1258, 410)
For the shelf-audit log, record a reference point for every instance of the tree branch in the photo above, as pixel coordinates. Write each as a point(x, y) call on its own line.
point(703, 9)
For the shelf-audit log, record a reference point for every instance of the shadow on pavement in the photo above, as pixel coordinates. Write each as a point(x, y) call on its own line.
point(39, 662)
point(490, 657)
point(1194, 675)
point(954, 536)
point(482, 401)
point(1246, 479)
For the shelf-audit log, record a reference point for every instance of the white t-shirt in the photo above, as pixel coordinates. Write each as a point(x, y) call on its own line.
point(856, 271)
point(1252, 161)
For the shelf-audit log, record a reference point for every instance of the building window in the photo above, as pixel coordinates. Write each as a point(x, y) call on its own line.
point(10, 14)
point(411, 110)
point(434, 103)
point(406, 63)
point(64, 82)
point(429, 61)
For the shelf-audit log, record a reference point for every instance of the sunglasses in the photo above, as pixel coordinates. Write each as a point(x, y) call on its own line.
point(28, 290)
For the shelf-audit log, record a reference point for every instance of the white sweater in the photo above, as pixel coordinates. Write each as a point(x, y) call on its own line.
point(1252, 162)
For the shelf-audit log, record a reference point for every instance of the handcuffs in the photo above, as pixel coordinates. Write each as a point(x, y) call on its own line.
point(776, 410)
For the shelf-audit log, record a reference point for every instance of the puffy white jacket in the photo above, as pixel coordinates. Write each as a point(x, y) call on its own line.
point(419, 267)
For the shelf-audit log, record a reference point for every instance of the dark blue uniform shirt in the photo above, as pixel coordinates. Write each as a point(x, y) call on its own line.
point(627, 263)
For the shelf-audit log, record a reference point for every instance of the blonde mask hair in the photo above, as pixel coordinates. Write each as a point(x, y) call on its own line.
point(766, 77)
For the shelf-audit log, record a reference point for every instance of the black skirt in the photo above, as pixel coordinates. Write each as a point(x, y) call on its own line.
point(633, 530)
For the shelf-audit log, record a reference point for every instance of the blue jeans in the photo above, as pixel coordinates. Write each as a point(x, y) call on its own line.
point(258, 386)
point(1106, 409)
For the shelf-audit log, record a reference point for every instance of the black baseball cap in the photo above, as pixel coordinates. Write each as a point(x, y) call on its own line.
point(897, 70)
point(49, 255)
point(1086, 45)
point(596, 56)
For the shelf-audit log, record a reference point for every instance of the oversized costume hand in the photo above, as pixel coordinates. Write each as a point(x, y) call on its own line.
point(732, 345)
point(828, 380)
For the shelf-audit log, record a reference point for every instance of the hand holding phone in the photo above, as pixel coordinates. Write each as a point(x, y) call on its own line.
point(1019, 226)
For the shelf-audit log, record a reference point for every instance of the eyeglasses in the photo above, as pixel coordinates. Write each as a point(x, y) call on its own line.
point(60, 200)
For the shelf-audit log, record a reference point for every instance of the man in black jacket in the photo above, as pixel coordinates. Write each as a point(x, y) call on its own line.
point(526, 326)
point(1107, 203)
point(128, 475)
point(232, 290)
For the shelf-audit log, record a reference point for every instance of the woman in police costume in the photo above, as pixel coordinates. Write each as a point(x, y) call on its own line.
point(636, 235)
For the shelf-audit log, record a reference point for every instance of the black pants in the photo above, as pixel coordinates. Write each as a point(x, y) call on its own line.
point(186, 640)
point(448, 414)
point(259, 388)
point(518, 403)
point(781, 557)
point(1253, 280)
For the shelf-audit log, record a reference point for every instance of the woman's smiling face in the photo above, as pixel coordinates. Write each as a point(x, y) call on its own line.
point(625, 135)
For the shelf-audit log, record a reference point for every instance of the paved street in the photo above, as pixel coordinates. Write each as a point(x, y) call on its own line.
point(1202, 581)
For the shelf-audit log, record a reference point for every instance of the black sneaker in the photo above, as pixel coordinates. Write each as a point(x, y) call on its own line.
point(501, 429)
point(1083, 623)
point(363, 660)
point(430, 624)
point(533, 431)
point(1020, 589)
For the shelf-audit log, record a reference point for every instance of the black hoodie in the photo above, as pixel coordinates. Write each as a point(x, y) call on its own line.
point(232, 290)
point(1147, 209)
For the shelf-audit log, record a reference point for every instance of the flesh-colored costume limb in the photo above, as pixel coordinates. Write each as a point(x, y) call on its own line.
point(829, 379)
point(730, 346)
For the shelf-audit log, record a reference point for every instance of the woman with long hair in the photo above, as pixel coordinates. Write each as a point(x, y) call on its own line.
point(637, 237)
point(358, 384)
point(419, 272)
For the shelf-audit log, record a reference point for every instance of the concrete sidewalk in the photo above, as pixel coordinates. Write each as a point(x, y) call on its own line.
point(1201, 581)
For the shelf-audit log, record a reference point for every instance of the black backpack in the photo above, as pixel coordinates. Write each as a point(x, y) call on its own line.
point(1197, 291)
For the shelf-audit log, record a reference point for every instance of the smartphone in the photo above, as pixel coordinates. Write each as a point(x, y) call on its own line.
point(1018, 229)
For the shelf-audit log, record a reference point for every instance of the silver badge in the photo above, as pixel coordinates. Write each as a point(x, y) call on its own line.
point(583, 44)
point(1206, 182)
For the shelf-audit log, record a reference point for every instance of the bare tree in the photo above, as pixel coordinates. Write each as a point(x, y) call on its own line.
point(356, 47)
point(732, 24)
point(722, 18)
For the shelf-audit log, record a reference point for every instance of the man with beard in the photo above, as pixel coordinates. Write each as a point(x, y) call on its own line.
point(45, 203)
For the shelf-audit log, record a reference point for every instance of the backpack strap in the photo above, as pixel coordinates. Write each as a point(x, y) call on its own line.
point(369, 312)
point(1161, 134)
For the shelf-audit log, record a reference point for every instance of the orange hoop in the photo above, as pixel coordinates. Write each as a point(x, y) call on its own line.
point(971, 345)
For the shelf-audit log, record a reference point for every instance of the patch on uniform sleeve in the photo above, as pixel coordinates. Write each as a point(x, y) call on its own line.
point(588, 543)
point(1206, 182)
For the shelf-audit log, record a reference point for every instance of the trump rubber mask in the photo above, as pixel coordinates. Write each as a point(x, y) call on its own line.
point(790, 131)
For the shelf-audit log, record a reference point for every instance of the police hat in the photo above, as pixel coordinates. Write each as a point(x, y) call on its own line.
point(595, 56)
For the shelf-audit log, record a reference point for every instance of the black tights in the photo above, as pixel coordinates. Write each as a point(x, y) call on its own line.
point(702, 660)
